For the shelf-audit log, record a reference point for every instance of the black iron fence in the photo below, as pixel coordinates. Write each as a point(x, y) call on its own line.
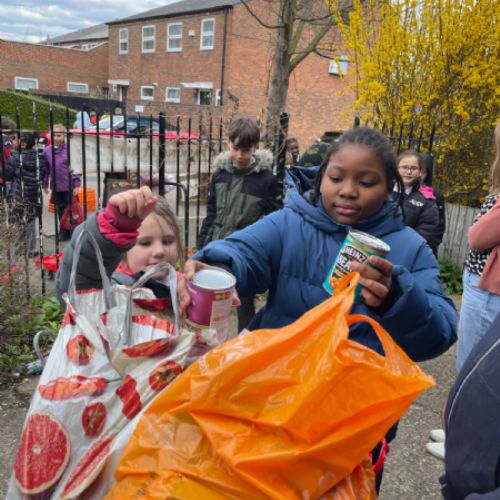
point(173, 156)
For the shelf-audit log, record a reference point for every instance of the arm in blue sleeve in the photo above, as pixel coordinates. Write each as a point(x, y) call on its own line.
point(252, 254)
point(422, 320)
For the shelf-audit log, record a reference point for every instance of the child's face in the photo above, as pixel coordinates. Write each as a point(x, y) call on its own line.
point(156, 242)
point(293, 148)
point(241, 157)
point(410, 170)
point(59, 138)
point(354, 185)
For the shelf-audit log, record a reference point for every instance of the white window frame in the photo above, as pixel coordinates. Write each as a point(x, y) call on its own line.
point(18, 79)
point(84, 85)
point(148, 38)
point(146, 97)
point(88, 46)
point(204, 33)
point(198, 97)
point(122, 40)
point(218, 97)
point(170, 99)
point(339, 67)
point(173, 37)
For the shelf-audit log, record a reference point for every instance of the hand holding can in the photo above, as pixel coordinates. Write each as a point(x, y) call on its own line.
point(357, 247)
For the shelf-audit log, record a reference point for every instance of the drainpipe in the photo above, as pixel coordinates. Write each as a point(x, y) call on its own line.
point(223, 62)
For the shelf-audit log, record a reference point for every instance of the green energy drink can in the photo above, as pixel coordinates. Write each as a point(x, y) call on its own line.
point(357, 246)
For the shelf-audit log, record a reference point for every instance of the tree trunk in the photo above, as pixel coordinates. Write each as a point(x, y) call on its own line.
point(280, 73)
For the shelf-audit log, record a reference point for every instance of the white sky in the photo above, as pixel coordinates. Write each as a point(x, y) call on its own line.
point(35, 20)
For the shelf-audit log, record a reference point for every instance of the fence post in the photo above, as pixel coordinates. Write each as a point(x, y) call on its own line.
point(161, 155)
point(281, 151)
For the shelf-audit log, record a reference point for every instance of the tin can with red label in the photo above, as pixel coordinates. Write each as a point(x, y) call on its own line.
point(357, 246)
point(211, 293)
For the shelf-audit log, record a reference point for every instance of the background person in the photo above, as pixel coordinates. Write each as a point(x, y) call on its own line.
point(24, 170)
point(481, 279)
point(242, 190)
point(420, 213)
point(292, 146)
point(58, 176)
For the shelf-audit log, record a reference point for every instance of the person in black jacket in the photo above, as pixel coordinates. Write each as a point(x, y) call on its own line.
point(420, 213)
point(24, 169)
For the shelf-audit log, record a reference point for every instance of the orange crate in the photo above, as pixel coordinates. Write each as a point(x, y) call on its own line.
point(91, 200)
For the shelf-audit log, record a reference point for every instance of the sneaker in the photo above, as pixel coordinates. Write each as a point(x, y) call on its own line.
point(438, 435)
point(435, 449)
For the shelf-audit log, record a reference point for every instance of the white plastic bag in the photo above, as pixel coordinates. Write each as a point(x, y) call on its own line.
point(97, 381)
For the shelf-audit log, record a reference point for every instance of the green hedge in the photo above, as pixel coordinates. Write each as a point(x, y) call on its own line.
point(10, 100)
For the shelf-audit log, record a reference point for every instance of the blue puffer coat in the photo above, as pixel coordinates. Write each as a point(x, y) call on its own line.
point(289, 253)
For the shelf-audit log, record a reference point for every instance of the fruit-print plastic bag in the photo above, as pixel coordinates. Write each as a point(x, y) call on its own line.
point(289, 413)
point(85, 408)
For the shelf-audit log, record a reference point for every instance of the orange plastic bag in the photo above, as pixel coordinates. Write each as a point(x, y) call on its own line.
point(284, 413)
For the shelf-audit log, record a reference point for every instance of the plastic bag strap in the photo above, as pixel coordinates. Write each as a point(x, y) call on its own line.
point(172, 284)
point(385, 339)
point(106, 285)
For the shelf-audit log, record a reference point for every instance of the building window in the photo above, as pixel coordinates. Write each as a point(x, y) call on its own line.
point(174, 37)
point(207, 34)
point(22, 83)
point(218, 97)
point(148, 38)
point(339, 67)
point(147, 93)
point(204, 97)
point(88, 46)
point(123, 41)
point(173, 94)
point(79, 88)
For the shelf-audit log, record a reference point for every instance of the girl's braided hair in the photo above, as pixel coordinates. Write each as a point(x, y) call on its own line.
point(378, 143)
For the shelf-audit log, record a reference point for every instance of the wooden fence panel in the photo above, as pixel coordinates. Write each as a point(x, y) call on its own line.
point(458, 220)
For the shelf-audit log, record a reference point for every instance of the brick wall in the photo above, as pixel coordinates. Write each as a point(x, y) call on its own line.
point(317, 101)
point(54, 67)
point(163, 69)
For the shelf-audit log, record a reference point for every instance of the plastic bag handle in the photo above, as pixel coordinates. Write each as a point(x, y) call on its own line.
point(106, 285)
point(385, 339)
point(172, 284)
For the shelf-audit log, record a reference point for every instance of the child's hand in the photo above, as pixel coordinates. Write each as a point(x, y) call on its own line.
point(190, 268)
point(376, 281)
point(135, 202)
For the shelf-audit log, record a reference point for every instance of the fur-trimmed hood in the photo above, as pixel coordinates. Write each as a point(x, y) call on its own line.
point(262, 160)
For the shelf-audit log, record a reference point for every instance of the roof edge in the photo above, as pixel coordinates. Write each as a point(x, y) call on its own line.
point(164, 16)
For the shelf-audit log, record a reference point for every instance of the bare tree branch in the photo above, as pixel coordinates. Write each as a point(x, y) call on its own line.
point(295, 61)
point(259, 20)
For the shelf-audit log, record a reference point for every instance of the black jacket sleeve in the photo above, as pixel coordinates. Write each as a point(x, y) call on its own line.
point(428, 224)
point(11, 167)
point(209, 219)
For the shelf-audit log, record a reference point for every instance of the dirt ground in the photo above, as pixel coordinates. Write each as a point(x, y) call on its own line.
point(410, 473)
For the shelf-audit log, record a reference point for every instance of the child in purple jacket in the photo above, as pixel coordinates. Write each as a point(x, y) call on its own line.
point(59, 174)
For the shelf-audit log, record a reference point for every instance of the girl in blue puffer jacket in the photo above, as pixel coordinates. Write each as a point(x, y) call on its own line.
point(289, 252)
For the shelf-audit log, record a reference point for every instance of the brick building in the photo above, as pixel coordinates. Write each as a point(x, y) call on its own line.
point(213, 57)
point(57, 70)
point(192, 57)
